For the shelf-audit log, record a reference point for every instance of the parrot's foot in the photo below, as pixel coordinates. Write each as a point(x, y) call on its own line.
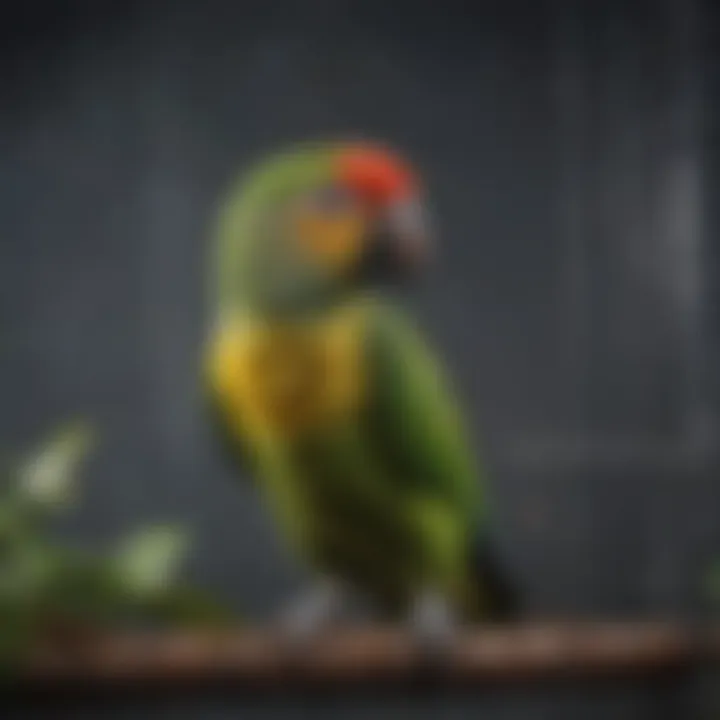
point(433, 623)
point(313, 611)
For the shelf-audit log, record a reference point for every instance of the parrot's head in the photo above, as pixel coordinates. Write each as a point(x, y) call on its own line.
point(320, 221)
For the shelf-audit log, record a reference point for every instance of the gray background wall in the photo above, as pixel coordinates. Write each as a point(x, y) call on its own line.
point(569, 150)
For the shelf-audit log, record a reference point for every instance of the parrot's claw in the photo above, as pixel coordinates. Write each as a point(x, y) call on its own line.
point(311, 613)
point(433, 623)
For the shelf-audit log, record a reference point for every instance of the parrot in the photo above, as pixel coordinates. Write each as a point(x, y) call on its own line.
point(321, 387)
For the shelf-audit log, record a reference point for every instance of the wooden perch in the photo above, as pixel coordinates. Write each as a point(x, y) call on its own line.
point(257, 658)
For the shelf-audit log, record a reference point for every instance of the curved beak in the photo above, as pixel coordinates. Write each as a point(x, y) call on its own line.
point(400, 243)
point(408, 234)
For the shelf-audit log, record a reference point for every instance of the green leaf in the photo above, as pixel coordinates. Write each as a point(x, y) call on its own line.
point(26, 573)
point(47, 477)
point(9, 522)
point(148, 561)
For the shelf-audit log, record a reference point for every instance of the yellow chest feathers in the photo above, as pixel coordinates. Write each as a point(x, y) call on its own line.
point(275, 379)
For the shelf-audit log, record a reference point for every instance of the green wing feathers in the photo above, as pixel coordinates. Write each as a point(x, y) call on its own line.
point(419, 425)
point(418, 429)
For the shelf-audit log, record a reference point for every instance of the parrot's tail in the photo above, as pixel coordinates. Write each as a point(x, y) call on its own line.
point(495, 596)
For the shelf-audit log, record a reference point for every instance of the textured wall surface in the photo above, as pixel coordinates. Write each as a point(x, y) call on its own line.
point(567, 146)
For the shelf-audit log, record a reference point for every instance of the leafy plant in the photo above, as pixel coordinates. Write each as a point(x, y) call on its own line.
point(50, 591)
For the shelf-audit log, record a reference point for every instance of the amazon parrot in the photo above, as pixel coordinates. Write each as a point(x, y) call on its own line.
point(320, 385)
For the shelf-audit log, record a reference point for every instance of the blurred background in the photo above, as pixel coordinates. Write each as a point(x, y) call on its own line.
point(571, 152)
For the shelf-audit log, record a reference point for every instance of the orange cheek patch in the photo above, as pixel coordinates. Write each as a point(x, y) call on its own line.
point(334, 241)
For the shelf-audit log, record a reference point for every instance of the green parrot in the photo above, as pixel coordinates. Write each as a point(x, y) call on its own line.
point(324, 390)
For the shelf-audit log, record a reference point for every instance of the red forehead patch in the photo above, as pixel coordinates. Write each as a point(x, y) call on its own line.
point(375, 174)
